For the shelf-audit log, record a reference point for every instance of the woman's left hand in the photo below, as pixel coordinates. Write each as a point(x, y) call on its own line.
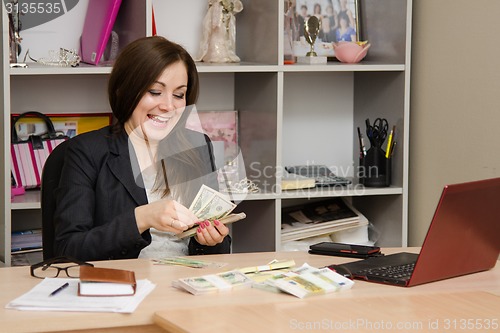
point(211, 234)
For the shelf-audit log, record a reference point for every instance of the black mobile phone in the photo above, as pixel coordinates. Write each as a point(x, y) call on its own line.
point(344, 250)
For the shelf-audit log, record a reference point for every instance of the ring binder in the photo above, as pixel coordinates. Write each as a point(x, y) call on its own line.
point(99, 21)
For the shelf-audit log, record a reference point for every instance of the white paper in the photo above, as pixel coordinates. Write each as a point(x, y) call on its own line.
point(38, 299)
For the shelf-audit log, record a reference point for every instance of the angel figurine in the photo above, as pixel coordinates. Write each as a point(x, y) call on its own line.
point(218, 43)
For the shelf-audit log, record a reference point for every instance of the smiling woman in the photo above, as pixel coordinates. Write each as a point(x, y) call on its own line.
point(124, 189)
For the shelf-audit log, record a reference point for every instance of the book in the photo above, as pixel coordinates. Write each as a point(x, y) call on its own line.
point(293, 181)
point(27, 240)
point(319, 218)
point(26, 258)
point(97, 27)
point(213, 283)
point(97, 281)
point(231, 218)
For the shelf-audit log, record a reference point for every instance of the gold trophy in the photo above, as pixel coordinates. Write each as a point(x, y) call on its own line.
point(311, 30)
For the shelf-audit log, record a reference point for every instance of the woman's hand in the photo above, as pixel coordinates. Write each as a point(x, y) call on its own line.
point(208, 234)
point(164, 215)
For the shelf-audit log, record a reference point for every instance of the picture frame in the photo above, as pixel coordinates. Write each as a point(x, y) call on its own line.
point(339, 22)
point(222, 129)
point(68, 124)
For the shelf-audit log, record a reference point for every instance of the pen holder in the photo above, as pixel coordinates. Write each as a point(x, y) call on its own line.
point(375, 168)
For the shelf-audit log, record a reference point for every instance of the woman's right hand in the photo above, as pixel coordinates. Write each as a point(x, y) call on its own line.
point(164, 215)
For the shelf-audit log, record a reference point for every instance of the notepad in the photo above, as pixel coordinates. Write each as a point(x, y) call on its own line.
point(96, 281)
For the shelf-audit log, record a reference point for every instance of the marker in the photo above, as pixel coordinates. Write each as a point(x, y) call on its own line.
point(58, 290)
point(389, 142)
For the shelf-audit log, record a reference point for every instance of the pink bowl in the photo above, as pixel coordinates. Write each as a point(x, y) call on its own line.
point(350, 52)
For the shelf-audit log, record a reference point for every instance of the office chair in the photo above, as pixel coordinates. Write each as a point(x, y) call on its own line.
point(50, 180)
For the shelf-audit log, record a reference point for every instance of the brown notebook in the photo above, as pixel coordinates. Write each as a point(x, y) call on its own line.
point(97, 281)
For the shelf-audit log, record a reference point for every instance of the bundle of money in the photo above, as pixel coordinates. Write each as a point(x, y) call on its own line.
point(210, 204)
point(213, 282)
point(308, 281)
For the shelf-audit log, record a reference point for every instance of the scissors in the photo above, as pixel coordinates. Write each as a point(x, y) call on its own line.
point(377, 132)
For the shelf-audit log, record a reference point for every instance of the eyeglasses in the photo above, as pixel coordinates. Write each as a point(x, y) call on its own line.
point(52, 267)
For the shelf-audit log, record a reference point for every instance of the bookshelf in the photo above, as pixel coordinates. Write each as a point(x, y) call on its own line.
point(288, 114)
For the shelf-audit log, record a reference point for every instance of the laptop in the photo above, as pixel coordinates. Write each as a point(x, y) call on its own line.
point(463, 238)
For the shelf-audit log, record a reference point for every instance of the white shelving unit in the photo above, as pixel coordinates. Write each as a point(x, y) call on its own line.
point(289, 114)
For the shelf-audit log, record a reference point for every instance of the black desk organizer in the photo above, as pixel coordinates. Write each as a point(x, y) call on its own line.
point(375, 164)
point(375, 168)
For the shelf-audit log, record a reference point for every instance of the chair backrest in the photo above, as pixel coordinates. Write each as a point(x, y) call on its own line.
point(50, 180)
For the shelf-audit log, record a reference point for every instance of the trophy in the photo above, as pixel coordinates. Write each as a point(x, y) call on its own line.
point(311, 30)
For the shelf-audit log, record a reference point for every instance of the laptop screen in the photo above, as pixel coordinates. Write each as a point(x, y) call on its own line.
point(464, 235)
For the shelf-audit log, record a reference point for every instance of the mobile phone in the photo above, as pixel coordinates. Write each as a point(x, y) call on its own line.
point(344, 250)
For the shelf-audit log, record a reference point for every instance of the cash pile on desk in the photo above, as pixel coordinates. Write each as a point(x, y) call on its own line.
point(213, 283)
point(309, 281)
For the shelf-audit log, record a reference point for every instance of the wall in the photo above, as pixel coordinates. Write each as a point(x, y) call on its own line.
point(455, 101)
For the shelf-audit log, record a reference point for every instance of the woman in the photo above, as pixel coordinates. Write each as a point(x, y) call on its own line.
point(345, 33)
point(124, 189)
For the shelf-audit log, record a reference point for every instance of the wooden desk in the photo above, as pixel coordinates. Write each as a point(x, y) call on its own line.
point(254, 310)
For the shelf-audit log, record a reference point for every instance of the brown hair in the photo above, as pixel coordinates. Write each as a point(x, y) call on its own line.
point(138, 65)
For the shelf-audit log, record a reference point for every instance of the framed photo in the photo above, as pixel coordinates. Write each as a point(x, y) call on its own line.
point(339, 22)
point(69, 124)
point(222, 128)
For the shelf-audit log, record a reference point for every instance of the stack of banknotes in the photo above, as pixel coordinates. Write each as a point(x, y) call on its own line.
point(211, 205)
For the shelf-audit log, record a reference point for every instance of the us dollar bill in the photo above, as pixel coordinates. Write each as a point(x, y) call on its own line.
point(216, 208)
point(204, 195)
point(210, 204)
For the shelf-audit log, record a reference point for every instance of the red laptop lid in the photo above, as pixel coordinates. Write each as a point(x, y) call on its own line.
point(464, 235)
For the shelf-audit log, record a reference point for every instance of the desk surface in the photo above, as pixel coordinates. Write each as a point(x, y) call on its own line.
point(166, 307)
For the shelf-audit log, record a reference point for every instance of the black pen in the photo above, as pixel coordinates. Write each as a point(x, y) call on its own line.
point(64, 286)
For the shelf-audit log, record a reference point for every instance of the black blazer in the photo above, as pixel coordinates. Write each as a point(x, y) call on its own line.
point(95, 201)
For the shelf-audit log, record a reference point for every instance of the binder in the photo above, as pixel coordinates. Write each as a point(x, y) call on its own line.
point(97, 27)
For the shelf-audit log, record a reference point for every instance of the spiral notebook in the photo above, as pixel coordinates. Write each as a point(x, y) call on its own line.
point(97, 27)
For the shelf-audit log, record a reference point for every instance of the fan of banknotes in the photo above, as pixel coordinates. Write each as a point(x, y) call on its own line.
point(211, 205)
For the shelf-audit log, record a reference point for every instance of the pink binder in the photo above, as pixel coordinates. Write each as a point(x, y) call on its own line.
point(99, 21)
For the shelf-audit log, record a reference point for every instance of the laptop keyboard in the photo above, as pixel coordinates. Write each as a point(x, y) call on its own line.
point(401, 272)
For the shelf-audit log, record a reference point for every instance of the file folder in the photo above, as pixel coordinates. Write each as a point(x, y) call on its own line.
point(97, 27)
